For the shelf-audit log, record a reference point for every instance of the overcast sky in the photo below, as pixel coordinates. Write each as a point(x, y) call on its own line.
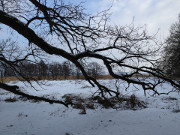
point(156, 14)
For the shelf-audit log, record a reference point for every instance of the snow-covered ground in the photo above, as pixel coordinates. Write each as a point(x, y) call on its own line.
point(29, 118)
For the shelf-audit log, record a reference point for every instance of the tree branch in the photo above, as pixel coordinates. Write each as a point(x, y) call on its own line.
point(15, 89)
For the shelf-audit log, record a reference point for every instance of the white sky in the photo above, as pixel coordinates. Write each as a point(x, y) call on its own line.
point(155, 14)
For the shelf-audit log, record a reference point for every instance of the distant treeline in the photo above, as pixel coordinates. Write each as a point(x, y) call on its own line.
point(29, 69)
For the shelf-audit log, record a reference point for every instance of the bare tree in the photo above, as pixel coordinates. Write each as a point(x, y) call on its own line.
point(66, 30)
point(12, 58)
point(43, 69)
point(66, 69)
point(78, 73)
point(94, 69)
point(55, 70)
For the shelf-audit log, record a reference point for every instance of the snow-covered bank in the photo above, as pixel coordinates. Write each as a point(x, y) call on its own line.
point(21, 118)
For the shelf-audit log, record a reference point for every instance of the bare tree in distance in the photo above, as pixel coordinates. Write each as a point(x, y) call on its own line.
point(66, 30)
point(55, 70)
point(94, 69)
point(42, 69)
point(66, 69)
point(12, 58)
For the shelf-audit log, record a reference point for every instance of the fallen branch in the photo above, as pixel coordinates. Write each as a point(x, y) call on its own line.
point(15, 89)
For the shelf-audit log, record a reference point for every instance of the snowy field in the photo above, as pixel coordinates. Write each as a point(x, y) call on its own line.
point(161, 117)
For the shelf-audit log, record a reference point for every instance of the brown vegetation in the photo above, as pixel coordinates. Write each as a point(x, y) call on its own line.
point(94, 102)
point(10, 99)
point(14, 78)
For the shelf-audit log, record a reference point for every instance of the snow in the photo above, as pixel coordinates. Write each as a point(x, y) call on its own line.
point(29, 118)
